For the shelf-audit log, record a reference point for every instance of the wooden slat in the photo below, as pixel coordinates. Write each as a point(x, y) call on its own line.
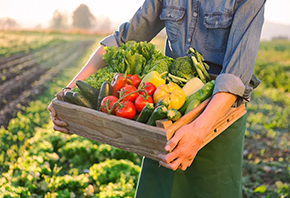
point(223, 123)
point(164, 123)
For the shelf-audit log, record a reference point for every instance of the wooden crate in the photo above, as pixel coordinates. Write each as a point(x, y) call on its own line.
point(131, 135)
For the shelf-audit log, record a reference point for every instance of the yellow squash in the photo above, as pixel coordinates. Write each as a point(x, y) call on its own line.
point(171, 93)
point(154, 77)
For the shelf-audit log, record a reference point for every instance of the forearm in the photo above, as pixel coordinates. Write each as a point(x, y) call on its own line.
point(94, 63)
point(217, 107)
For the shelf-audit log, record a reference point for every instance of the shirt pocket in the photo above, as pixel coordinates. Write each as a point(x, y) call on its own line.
point(217, 30)
point(173, 17)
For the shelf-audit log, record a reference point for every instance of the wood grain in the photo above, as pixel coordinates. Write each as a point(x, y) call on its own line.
point(131, 135)
point(122, 133)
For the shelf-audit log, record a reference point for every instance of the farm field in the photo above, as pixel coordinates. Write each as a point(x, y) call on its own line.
point(36, 161)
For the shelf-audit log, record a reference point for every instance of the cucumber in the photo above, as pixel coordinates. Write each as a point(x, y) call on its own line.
point(184, 106)
point(173, 114)
point(159, 113)
point(89, 92)
point(193, 104)
point(81, 100)
point(104, 91)
point(145, 113)
point(198, 97)
point(68, 97)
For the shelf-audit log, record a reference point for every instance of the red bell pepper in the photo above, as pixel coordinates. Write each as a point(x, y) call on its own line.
point(136, 79)
point(119, 81)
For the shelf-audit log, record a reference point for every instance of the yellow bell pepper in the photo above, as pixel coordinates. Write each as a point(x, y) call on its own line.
point(171, 93)
point(155, 78)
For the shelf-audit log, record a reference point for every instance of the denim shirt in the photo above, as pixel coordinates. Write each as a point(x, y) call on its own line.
point(226, 32)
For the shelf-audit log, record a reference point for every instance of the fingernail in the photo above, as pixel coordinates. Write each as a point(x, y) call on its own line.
point(64, 124)
point(167, 148)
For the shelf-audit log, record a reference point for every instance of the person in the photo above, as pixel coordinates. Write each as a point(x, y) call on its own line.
point(227, 33)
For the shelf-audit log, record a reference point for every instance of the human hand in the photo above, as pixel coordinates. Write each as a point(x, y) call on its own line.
point(183, 146)
point(58, 125)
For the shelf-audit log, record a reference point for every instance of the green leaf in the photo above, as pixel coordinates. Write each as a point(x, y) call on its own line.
point(279, 185)
point(260, 189)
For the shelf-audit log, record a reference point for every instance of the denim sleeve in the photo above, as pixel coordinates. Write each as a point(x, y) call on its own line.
point(237, 75)
point(144, 25)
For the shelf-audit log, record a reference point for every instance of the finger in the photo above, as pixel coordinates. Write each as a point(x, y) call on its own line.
point(60, 129)
point(58, 122)
point(186, 163)
point(51, 109)
point(171, 144)
point(168, 158)
point(183, 166)
point(190, 162)
point(173, 166)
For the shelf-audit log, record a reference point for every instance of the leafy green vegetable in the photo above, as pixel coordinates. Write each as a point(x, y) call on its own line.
point(96, 80)
point(136, 58)
point(111, 169)
point(181, 70)
point(159, 63)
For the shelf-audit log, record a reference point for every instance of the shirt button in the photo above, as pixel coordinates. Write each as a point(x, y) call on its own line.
point(189, 40)
point(194, 14)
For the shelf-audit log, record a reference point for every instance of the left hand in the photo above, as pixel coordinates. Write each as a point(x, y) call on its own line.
point(184, 146)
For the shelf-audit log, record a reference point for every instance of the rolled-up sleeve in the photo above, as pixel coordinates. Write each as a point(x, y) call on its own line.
point(144, 25)
point(237, 75)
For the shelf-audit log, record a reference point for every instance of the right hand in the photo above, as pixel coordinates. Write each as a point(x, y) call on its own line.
point(58, 125)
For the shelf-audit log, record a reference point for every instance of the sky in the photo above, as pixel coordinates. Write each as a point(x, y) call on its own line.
point(30, 13)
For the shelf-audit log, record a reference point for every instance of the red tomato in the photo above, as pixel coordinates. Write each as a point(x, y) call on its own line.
point(149, 87)
point(141, 102)
point(126, 110)
point(128, 89)
point(136, 79)
point(108, 102)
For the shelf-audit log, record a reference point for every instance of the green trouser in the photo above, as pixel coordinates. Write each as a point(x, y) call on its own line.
point(216, 172)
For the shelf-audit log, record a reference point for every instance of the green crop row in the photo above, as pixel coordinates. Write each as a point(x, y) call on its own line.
point(24, 42)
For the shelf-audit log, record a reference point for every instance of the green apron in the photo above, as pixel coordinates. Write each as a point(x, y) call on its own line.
point(216, 172)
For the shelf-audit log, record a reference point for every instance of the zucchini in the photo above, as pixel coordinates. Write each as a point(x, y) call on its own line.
point(184, 106)
point(68, 97)
point(104, 91)
point(173, 114)
point(81, 100)
point(163, 102)
point(159, 113)
point(89, 92)
point(145, 113)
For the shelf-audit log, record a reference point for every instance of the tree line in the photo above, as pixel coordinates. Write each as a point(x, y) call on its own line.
point(80, 18)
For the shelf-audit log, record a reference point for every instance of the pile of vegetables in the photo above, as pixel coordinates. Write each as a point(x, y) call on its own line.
point(142, 84)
